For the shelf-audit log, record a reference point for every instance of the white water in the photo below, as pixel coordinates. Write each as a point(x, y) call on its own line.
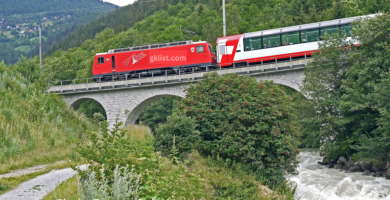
point(318, 182)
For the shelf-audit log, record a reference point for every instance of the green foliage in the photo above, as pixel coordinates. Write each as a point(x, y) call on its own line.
point(158, 111)
point(114, 147)
point(245, 121)
point(179, 128)
point(166, 178)
point(347, 88)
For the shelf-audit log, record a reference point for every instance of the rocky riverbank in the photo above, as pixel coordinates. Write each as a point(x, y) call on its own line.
point(367, 168)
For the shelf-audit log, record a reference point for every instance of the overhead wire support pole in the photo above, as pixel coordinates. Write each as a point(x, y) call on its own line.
point(40, 47)
point(224, 18)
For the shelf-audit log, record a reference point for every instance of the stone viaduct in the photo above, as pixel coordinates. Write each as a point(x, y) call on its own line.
point(136, 95)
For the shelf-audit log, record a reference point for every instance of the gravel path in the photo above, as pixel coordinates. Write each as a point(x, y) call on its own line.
point(40, 186)
point(29, 170)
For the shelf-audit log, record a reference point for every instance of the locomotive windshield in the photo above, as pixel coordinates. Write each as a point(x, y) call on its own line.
point(211, 49)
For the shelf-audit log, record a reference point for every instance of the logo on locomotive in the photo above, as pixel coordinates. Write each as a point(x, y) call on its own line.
point(133, 59)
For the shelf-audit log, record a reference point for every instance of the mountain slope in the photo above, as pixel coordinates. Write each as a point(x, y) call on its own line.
point(24, 7)
point(119, 21)
point(20, 21)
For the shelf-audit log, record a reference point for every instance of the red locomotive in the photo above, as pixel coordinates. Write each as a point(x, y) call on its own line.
point(153, 59)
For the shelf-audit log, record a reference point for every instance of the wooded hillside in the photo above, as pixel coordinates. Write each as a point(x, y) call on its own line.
point(24, 7)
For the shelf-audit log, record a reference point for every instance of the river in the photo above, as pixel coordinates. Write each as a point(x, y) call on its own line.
point(318, 182)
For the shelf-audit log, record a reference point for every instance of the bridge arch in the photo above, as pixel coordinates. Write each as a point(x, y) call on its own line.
point(288, 84)
point(291, 79)
point(136, 111)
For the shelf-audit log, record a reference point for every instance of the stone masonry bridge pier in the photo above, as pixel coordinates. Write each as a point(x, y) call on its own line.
point(135, 95)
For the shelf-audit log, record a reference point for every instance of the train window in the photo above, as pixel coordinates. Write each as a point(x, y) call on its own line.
point(100, 60)
point(330, 30)
point(199, 49)
point(290, 38)
point(221, 49)
point(247, 44)
point(346, 30)
point(211, 49)
point(310, 35)
point(256, 43)
point(271, 41)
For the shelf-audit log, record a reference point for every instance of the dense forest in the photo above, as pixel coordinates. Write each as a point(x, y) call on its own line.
point(119, 21)
point(242, 16)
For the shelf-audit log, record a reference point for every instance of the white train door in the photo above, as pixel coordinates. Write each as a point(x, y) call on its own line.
point(221, 49)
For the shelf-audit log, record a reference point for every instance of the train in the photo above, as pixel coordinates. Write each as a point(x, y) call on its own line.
point(248, 48)
point(149, 60)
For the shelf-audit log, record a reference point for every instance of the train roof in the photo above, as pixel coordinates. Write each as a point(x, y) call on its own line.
point(305, 26)
point(152, 46)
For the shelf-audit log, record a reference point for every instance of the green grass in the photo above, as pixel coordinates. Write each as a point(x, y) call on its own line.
point(8, 34)
point(35, 128)
point(66, 190)
point(23, 48)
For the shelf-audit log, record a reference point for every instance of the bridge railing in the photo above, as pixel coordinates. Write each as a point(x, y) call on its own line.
point(86, 84)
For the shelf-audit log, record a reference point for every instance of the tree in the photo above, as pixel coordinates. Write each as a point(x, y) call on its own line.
point(180, 127)
point(245, 121)
point(14, 32)
point(346, 86)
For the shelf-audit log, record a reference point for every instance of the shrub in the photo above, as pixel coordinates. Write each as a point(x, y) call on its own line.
point(116, 147)
point(125, 185)
point(183, 128)
point(246, 121)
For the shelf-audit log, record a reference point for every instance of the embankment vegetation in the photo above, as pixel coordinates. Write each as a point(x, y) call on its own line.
point(192, 176)
point(35, 128)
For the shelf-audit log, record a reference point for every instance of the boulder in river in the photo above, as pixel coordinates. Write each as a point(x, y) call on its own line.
point(366, 173)
point(364, 165)
point(342, 160)
point(338, 166)
point(379, 168)
point(377, 174)
point(387, 174)
point(354, 168)
point(349, 164)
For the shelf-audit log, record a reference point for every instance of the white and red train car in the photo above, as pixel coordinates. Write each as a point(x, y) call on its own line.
point(280, 43)
point(152, 59)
